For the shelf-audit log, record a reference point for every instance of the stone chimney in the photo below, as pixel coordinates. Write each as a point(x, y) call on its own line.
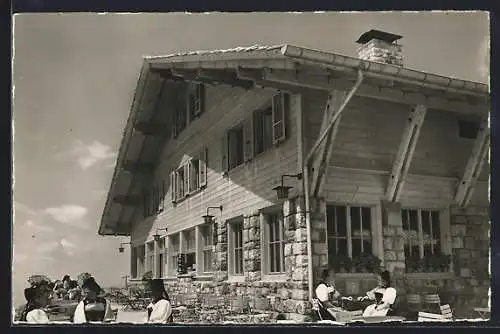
point(380, 46)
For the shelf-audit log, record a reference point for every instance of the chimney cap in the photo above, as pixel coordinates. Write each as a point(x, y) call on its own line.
point(377, 34)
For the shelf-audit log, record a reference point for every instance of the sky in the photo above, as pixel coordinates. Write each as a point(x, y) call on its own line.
point(74, 77)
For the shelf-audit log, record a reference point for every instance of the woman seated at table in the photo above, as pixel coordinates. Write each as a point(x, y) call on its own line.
point(92, 307)
point(37, 298)
point(384, 296)
point(328, 297)
point(160, 309)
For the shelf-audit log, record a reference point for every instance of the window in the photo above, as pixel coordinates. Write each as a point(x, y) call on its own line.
point(181, 181)
point(180, 115)
point(468, 129)
point(189, 249)
point(141, 257)
point(195, 100)
point(263, 129)
point(150, 257)
point(281, 107)
point(160, 258)
point(194, 172)
point(189, 178)
point(134, 260)
point(173, 250)
point(274, 243)
point(206, 233)
point(236, 247)
point(423, 246)
point(154, 201)
point(349, 236)
point(235, 147)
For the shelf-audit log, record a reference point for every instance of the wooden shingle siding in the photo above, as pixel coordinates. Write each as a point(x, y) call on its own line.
point(247, 187)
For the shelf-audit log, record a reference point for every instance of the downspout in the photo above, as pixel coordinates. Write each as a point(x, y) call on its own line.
point(305, 172)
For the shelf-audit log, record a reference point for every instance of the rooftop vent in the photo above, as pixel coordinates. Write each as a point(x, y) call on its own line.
point(380, 46)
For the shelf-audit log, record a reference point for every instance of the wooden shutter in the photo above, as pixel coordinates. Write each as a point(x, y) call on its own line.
point(202, 168)
point(248, 139)
point(187, 177)
point(173, 186)
point(199, 97)
point(161, 205)
point(224, 153)
point(281, 104)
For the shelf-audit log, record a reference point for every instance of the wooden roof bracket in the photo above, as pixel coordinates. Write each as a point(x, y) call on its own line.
point(329, 128)
point(405, 153)
point(474, 165)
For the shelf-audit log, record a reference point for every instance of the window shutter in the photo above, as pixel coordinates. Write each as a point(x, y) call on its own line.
point(161, 205)
point(248, 139)
point(187, 177)
point(199, 95)
point(281, 104)
point(173, 188)
point(202, 169)
point(224, 153)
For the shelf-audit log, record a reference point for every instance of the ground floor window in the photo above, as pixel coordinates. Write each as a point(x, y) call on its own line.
point(173, 251)
point(160, 260)
point(235, 247)
point(350, 238)
point(423, 241)
point(273, 243)
point(206, 238)
point(189, 249)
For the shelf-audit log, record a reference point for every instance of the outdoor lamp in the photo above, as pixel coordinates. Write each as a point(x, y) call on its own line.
point(282, 190)
point(209, 218)
point(158, 236)
point(121, 249)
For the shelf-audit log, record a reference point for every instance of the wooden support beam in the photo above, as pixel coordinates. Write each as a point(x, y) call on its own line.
point(405, 153)
point(323, 155)
point(151, 128)
point(136, 167)
point(474, 165)
point(329, 82)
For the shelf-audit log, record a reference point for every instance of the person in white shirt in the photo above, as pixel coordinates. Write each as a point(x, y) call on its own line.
point(328, 297)
point(160, 308)
point(384, 296)
point(37, 298)
point(93, 308)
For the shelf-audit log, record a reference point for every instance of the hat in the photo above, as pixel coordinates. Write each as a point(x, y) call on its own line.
point(156, 284)
point(91, 284)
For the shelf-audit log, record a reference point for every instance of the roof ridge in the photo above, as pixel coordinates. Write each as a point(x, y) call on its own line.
point(255, 47)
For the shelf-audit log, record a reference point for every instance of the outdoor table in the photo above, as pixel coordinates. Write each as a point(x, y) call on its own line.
point(483, 311)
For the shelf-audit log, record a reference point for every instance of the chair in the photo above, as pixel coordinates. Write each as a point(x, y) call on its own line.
point(316, 306)
point(445, 315)
point(432, 302)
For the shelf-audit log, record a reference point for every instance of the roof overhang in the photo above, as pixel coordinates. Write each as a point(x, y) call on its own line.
point(289, 68)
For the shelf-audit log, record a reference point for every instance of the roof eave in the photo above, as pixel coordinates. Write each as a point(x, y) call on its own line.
point(139, 91)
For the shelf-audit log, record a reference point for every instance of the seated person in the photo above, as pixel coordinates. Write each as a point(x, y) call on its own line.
point(328, 298)
point(37, 298)
point(92, 307)
point(383, 295)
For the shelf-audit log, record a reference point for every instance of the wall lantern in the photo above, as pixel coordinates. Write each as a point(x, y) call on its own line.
point(209, 218)
point(121, 249)
point(158, 236)
point(282, 190)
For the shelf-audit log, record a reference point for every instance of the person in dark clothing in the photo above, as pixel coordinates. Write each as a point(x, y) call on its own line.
point(37, 298)
point(160, 308)
point(92, 307)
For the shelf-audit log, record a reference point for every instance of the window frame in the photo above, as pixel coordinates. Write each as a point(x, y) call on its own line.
point(204, 248)
point(241, 146)
point(184, 246)
point(150, 257)
point(232, 249)
point(259, 127)
point(160, 258)
point(265, 242)
point(141, 260)
point(174, 249)
point(445, 233)
point(183, 176)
